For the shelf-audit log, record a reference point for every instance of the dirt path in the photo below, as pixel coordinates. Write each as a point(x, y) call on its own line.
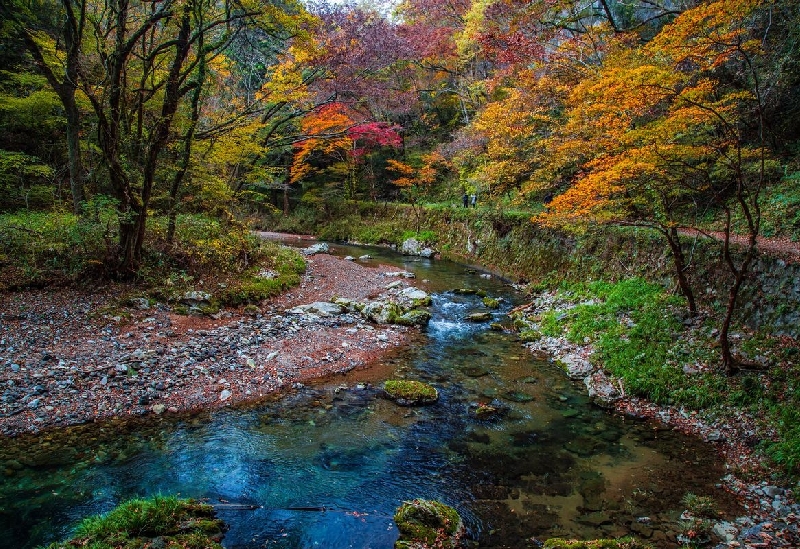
point(782, 248)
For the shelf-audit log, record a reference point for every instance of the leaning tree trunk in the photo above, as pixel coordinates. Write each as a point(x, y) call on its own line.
point(752, 215)
point(679, 262)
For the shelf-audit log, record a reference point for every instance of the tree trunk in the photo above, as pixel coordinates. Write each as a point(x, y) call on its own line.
point(679, 262)
point(74, 153)
point(65, 90)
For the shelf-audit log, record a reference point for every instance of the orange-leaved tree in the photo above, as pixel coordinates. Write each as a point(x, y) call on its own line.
point(661, 131)
point(414, 181)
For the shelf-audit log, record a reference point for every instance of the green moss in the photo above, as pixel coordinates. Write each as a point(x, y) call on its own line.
point(623, 543)
point(491, 302)
point(409, 392)
point(136, 523)
point(415, 317)
point(427, 522)
point(423, 302)
point(530, 335)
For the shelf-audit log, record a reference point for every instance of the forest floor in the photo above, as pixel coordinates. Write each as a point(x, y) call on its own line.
point(71, 356)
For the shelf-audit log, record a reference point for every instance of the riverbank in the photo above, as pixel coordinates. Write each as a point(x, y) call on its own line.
point(772, 509)
point(73, 356)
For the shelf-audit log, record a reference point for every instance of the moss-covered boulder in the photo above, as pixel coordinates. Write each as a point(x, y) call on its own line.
point(491, 303)
point(425, 524)
point(160, 521)
point(465, 291)
point(479, 317)
point(414, 317)
point(410, 393)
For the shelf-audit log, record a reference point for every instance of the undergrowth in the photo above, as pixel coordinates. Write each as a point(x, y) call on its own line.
point(217, 256)
point(638, 335)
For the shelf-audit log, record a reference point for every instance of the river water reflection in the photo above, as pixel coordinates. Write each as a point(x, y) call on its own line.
point(328, 463)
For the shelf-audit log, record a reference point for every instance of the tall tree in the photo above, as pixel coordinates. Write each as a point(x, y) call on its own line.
point(146, 60)
point(663, 129)
point(53, 34)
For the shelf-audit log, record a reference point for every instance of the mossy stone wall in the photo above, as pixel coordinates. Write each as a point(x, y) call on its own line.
point(508, 244)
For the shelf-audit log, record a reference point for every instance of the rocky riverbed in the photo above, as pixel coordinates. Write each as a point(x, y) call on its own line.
point(70, 356)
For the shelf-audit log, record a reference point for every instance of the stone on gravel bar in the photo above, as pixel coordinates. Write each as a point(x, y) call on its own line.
point(576, 366)
point(314, 249)
point(321, 308)
point(403, 274)
point(195, 297)
point(414, 293)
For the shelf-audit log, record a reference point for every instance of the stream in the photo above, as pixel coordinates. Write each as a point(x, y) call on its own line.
point(328, 463)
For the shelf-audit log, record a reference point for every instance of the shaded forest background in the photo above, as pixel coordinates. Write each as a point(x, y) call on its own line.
point(128, 122)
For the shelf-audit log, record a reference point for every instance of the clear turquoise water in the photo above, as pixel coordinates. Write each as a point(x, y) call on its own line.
point(328, 464)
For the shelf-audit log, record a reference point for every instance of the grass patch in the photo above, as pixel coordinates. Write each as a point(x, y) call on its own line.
point(412, 392)
point(637, 333)
point(137, 523)
point(38, 248)
point(622, 543)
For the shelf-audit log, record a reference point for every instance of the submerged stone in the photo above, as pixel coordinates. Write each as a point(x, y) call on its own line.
point(518, 396)
point(475, 371)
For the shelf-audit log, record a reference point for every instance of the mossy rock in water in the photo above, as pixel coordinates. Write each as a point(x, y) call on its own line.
point(426, 524)
point(484, 411)
point(622, 543)
point(410, 393)
point(479, 317)
point(465, 291)
point(160, 521)
point(491, 302)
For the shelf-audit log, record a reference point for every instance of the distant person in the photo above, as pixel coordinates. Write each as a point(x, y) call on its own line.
point(474, 200)
point(464, 199)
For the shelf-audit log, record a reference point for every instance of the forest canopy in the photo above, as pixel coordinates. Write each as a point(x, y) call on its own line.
point(655, 113)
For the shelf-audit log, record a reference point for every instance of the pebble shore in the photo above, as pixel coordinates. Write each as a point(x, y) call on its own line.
point(65, 361)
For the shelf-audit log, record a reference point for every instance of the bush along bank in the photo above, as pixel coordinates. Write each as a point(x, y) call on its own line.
point(209, 263)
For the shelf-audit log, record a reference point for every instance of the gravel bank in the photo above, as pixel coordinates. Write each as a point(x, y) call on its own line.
point(63, 361)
